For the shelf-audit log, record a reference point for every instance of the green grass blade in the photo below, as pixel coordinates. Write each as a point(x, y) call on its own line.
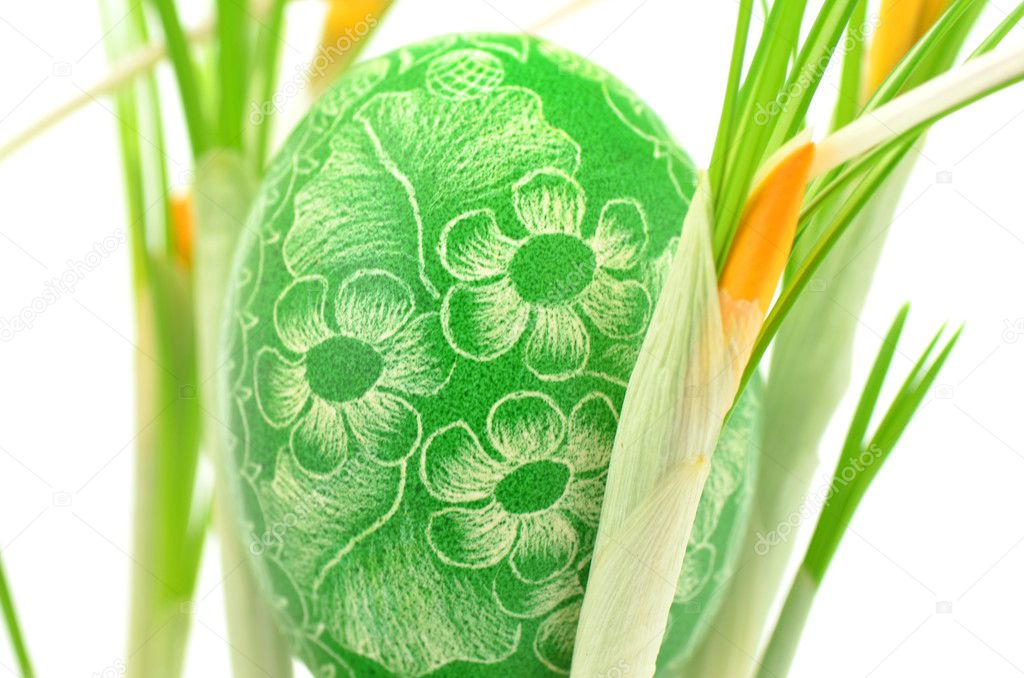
point(724, 140)
point(225, 187)
point(810, 67)
point(155, 177)
point(859, 197)
point(232, 70)
point(857, 468)
point(873, 388)
point(13, 627)
point(840, 508)
point(839, 511)
point(185, 72)
point(852, 80)
point(951, 45)
point(268, 58)
point(768, 72)
point(1001, 31)
point(170, 516)
point(913, 394)
point(126, 104)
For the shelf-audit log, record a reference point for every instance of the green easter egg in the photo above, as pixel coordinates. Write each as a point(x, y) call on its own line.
point(439, 298)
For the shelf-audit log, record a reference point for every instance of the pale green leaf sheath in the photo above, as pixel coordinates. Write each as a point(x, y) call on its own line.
point(439, 300)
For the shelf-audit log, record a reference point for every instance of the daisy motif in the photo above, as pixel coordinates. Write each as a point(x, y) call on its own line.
point(520, 502)
point(540, 285)
point(348, 386)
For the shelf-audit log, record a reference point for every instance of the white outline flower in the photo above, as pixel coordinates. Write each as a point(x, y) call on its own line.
point(485, 313)
point(488, 522)
point(398, 354)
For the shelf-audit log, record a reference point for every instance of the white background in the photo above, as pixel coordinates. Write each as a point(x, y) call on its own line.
point(942, 523)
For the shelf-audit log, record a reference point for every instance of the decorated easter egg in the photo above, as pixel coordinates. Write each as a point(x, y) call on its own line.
point(438, 301)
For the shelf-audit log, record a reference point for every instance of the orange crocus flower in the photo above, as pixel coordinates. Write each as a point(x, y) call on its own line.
point(901, 23)
point(760, 250)
point(183, 227)
point(347, 26)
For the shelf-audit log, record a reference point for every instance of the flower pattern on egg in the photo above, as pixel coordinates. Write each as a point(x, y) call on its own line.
point(541, 285)
point(350, 381)
point(520, 502)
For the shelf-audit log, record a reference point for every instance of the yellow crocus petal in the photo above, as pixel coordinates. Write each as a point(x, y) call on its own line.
point(182, 227)
point(347, 26)
point(761, 249)
point(901, 23)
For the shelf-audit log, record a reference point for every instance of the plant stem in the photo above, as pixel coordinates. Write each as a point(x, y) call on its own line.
point(232, 70)
point(13, 627)
point(782, 649)
point(268, 58)
point(169, 528)
point(180, 51)
point(930, 101)
point(224, 191)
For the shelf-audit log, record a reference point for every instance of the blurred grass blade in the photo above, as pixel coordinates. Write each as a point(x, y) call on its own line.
point(268, 58)
point(170, 514)
point(1001, 31)
point(232, 69)
point(225, 188)
point(180, 53)
point(13, 627)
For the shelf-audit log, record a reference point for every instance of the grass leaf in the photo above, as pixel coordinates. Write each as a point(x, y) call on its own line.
point(727, 122)
point(768, 72)
point(268, 58)
point(13, 627)
point(232, 70)
point(852, 80)
point(185, 72)
point(856, 469)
